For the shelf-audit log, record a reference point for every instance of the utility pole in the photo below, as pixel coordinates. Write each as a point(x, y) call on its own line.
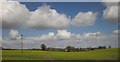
point(21, 43)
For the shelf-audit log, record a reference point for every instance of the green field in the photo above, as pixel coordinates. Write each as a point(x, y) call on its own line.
point(103, 54)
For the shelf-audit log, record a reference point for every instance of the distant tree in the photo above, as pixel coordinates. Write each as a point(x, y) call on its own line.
point(100, 47)
point(43, 47)
point(104, 47)
point(69, 48)
point(109, 46)
point(92, 48)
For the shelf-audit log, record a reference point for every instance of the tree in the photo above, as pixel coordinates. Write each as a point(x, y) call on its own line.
point(43, 47)
point(69, 48)
point(109, 46)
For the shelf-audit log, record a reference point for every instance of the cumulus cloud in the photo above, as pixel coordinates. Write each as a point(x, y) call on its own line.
point(64, 34)
point(116, 32)
point(110, 0)
point(92, 35)
point(61, 39)
point(16, 15)
point(111, 12)
point(14, 34)
point(49, 36)
point(45, 17)
point(60, 35)
point(84, 19)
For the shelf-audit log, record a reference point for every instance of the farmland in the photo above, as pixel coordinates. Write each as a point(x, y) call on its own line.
point(103, 54)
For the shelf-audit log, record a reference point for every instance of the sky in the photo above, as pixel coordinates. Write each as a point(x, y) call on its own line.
point(59, 24)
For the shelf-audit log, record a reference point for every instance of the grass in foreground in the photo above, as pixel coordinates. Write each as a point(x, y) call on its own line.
point(103, 54)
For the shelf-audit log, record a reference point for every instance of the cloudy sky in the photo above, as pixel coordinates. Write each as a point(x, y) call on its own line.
point(79, 24)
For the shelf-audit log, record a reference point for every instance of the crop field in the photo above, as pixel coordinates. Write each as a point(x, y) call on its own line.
point(102, 54)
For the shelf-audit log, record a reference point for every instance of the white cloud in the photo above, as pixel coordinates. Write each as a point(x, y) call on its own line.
point(110, 0)
point(6, 0)
point(64, 34)
point(61, 34)
point(61, 39)
point(111, 12)
point(116, 32)
point(14, 14)
point(92, 34)
point(14, 34)
point(49, 36)
point(84, 19)
point(45, 17)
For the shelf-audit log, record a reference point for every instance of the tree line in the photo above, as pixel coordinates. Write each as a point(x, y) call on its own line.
point(71, 48)
point(67, 49)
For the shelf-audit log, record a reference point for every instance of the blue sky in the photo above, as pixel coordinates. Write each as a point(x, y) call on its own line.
point(71, 9)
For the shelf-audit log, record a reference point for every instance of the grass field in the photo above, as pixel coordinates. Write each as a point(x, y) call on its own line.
point(103, 54)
